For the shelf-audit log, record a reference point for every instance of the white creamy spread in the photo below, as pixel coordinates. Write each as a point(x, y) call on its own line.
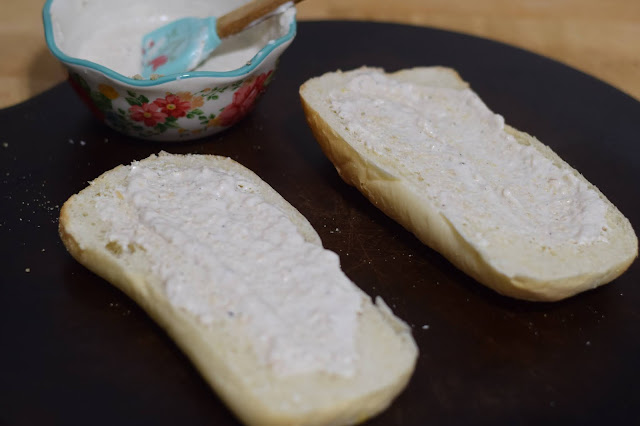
point(459, 154)
point(226, 254)
point(117, 45)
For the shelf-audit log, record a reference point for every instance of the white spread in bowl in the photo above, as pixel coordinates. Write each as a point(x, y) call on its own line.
point(110, 33)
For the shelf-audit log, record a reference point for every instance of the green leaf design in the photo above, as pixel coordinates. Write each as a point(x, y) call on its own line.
point(171, 122)
point(133, 101)
point(81, 82)
point(101, 101)
point(204, 120)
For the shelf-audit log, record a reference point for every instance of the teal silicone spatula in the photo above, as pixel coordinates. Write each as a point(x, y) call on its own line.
point(182, 45)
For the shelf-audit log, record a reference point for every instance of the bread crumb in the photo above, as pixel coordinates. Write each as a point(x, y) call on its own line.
point(27, 270)
point(425, 327)
point(71, 141)
point(5, 144)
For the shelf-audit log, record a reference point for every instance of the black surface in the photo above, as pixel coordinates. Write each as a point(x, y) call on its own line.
point(76, 351)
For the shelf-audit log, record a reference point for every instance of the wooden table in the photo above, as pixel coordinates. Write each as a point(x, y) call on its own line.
point(599, 37)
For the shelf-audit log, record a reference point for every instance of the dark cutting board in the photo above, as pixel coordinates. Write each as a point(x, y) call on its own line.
point(75, 351)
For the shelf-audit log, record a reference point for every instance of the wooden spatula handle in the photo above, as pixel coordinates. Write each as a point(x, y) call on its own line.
point(238, 19)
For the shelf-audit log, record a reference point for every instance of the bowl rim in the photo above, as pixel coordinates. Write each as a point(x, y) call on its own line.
point(251, 65)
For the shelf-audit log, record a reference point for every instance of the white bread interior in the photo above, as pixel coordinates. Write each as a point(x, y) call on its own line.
point(559, 273)
point(386, 350)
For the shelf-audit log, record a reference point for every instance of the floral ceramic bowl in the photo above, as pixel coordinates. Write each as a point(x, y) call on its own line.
point(99, 44)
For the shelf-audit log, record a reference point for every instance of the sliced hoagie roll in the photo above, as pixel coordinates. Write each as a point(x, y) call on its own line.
point(496, 202)
point(240, 281)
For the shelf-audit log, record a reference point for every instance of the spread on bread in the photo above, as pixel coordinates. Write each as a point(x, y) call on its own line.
point(500, 205)
point(523, 195)
point(204, 226)
point(509, 189)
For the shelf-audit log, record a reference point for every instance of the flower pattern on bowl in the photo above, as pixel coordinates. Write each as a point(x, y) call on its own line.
point(185, 114)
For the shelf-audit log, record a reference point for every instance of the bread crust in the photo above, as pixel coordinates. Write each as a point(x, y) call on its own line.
point(223, 356)
point(383, 183)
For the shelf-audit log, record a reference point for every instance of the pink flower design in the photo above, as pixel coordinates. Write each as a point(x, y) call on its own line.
point(147, 113)
point(173, 106)
point(243, 101)
point(158, 61)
